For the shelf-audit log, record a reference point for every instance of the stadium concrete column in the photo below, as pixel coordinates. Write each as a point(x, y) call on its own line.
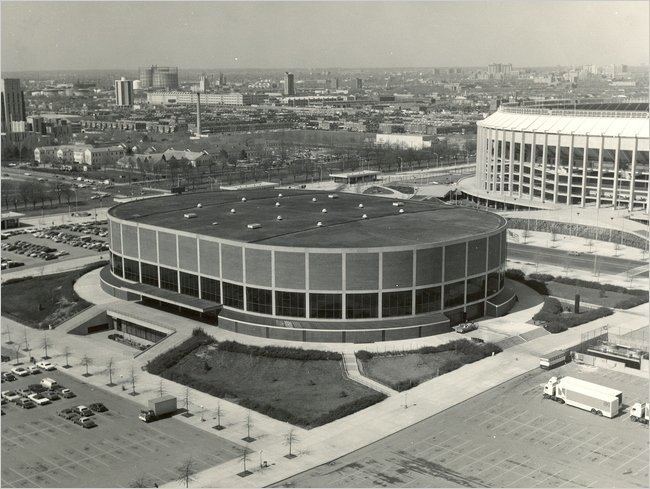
point(413, 281)
point(531, 182)
point(158, 257)
point(511, 162)
point(493, 162)
point(520, 174)
point(344, 285)
point(307, 315)
point(480, 155)
point(273, 281)
point(615, 189)
point(599, 183)
point(380, 275)
point(220, 273)
point(544, 154)
point(503, 162)
point(583, 190)
point(570, 176)
point(178, 265)
point(633, 176)
point(556, 181)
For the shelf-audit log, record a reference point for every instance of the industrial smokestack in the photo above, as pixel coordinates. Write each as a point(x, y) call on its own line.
point(198, 114)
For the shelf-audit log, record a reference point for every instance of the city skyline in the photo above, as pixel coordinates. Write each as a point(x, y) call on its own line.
point(263, 35)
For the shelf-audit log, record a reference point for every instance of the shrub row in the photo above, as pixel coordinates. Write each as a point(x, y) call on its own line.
point(279, 352)
point(557, 321)
point(274, 411)
point(598, 286)
point(537, 285)
point(166, 360)
point(631, 302)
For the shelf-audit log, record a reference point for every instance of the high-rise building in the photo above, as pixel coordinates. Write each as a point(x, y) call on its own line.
point(204, 83)
point(222, 79)
point(289, 86)
point(337, 83)
point(159, 77)
point(123, 92)
point(358, 83)
point(499, 69)
point(13, 103)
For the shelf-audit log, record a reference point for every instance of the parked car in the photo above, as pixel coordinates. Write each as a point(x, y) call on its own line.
point(20, 371)
point(25, 403)
point(68, 413)
point(39, 399)
point(36, 388)
point(465, 327)
point(51, 395)
point(34, 370)
point(85, 422)
point(67, 393)
point(98, 407)
point(8, 376)
point(83, 410)
point(45, 365)
point(11, 396)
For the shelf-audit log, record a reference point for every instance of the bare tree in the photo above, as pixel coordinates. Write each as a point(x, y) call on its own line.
point(110, 370)
point(86, 361)
point(132, 379)
point(45, 344)
point(249, 424)
point(66, 352)
point(186, 471)
point(161, 389)
point(289, 439)
point(17, 355)
point(220, 415)
point(187, 403)
point(244, 457)
point(8, 331)
point(141, 481)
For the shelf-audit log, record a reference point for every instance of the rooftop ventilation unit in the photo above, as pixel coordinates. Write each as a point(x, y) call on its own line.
point(332, 196)
point(313, 199)
point(277, 204)
point(254, 225)
point(243, 199)
point(401, 211)
point(324, 211)
point(365, 216)
point(280, 195)
point(319, 223)
point(215, 223)
point(398, 204)
point(232, 211)
point(189, 215)
point(199, 205)
point(279, 218)
point(360, 206)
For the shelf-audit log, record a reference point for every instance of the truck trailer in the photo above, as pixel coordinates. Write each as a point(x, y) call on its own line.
point(595, 398)
point(640, 412)
point(158, 407)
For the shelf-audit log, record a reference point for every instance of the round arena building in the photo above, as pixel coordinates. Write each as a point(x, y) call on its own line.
point(309, 266)
point(560, 153)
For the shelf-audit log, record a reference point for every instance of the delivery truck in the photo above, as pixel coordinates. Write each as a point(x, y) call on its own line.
point(595, 398)
point(640, 412)
point(158, 407)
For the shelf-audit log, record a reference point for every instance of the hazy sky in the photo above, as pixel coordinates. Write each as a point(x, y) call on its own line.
point(105, 35)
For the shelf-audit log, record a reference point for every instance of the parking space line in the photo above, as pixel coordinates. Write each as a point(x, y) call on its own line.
point(23, 477)
point(59, 466)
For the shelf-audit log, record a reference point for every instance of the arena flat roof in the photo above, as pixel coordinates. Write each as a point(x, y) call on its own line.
point(421, 222)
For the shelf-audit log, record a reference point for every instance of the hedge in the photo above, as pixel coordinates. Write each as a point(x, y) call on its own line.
point(537, 285)
point(557, 321)
point(631, 302)
point(279, 352)
point(167, 360)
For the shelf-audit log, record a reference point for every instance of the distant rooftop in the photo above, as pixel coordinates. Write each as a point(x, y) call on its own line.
point(343, 224)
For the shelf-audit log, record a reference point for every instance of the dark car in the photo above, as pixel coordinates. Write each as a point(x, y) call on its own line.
point(25, 403)
point(36, 388)
point(85, 422)
point(98, 407)
point(6, 358)
point(83, 411)
point(68, 413)
point(8, 376)
point(51, 395)
point(66, 393)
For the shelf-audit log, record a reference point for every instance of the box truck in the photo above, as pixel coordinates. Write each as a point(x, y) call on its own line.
point(158, 407)
point(595, 398)
point(640, 412)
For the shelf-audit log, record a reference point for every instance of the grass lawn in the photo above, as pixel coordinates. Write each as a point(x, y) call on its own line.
point(414, 367)
point(42, 301)
point(589, 295)
point(307, 393)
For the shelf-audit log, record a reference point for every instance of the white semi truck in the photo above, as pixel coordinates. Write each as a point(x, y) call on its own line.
point(595, 398)
point(640, 412)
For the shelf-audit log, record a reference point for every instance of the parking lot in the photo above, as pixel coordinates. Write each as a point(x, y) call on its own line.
point(41, 449)
point(55, 243)
point(506, 437)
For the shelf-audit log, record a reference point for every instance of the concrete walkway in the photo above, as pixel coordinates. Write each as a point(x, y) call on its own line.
point(89, 289)
point(353, 372)
point(52, 267)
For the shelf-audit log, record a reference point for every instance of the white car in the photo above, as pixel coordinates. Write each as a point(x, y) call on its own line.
point(45, 365)
point(20, 371)
point(11, 396)
point(38, 399)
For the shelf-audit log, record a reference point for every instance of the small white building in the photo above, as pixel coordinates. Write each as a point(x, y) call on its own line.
point(404, 141)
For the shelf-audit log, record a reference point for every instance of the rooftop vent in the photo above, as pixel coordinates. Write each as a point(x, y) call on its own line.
point(232, 211)
point(277, 204)
point(279, 218)
point(401, 211)
point(189, 215)
point(319, 223)
point(243, 199)
point(313, 199)
point(280, 195)
point(254, 225)
point(360, 206)
point(324, 211)
point(332, 196)
point(215, 223)
point(398, 204)
point(365, 216)
point(199, 205)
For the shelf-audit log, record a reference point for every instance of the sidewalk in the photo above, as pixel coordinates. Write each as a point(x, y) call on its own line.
point(52, 267)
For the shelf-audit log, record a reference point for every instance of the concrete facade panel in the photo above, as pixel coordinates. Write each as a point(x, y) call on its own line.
point(232, 266)
point(130, 241)
point(187, 253)
point(209, 257)
point(258, 267)
point(397, 269)
point(362, 271)
point(429, 266)
point(116, 237)
point(325, 271)
point(148, 245)
point(167, 249)
point(289, 270)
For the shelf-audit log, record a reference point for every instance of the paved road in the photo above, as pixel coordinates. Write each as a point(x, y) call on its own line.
point(561, 258)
